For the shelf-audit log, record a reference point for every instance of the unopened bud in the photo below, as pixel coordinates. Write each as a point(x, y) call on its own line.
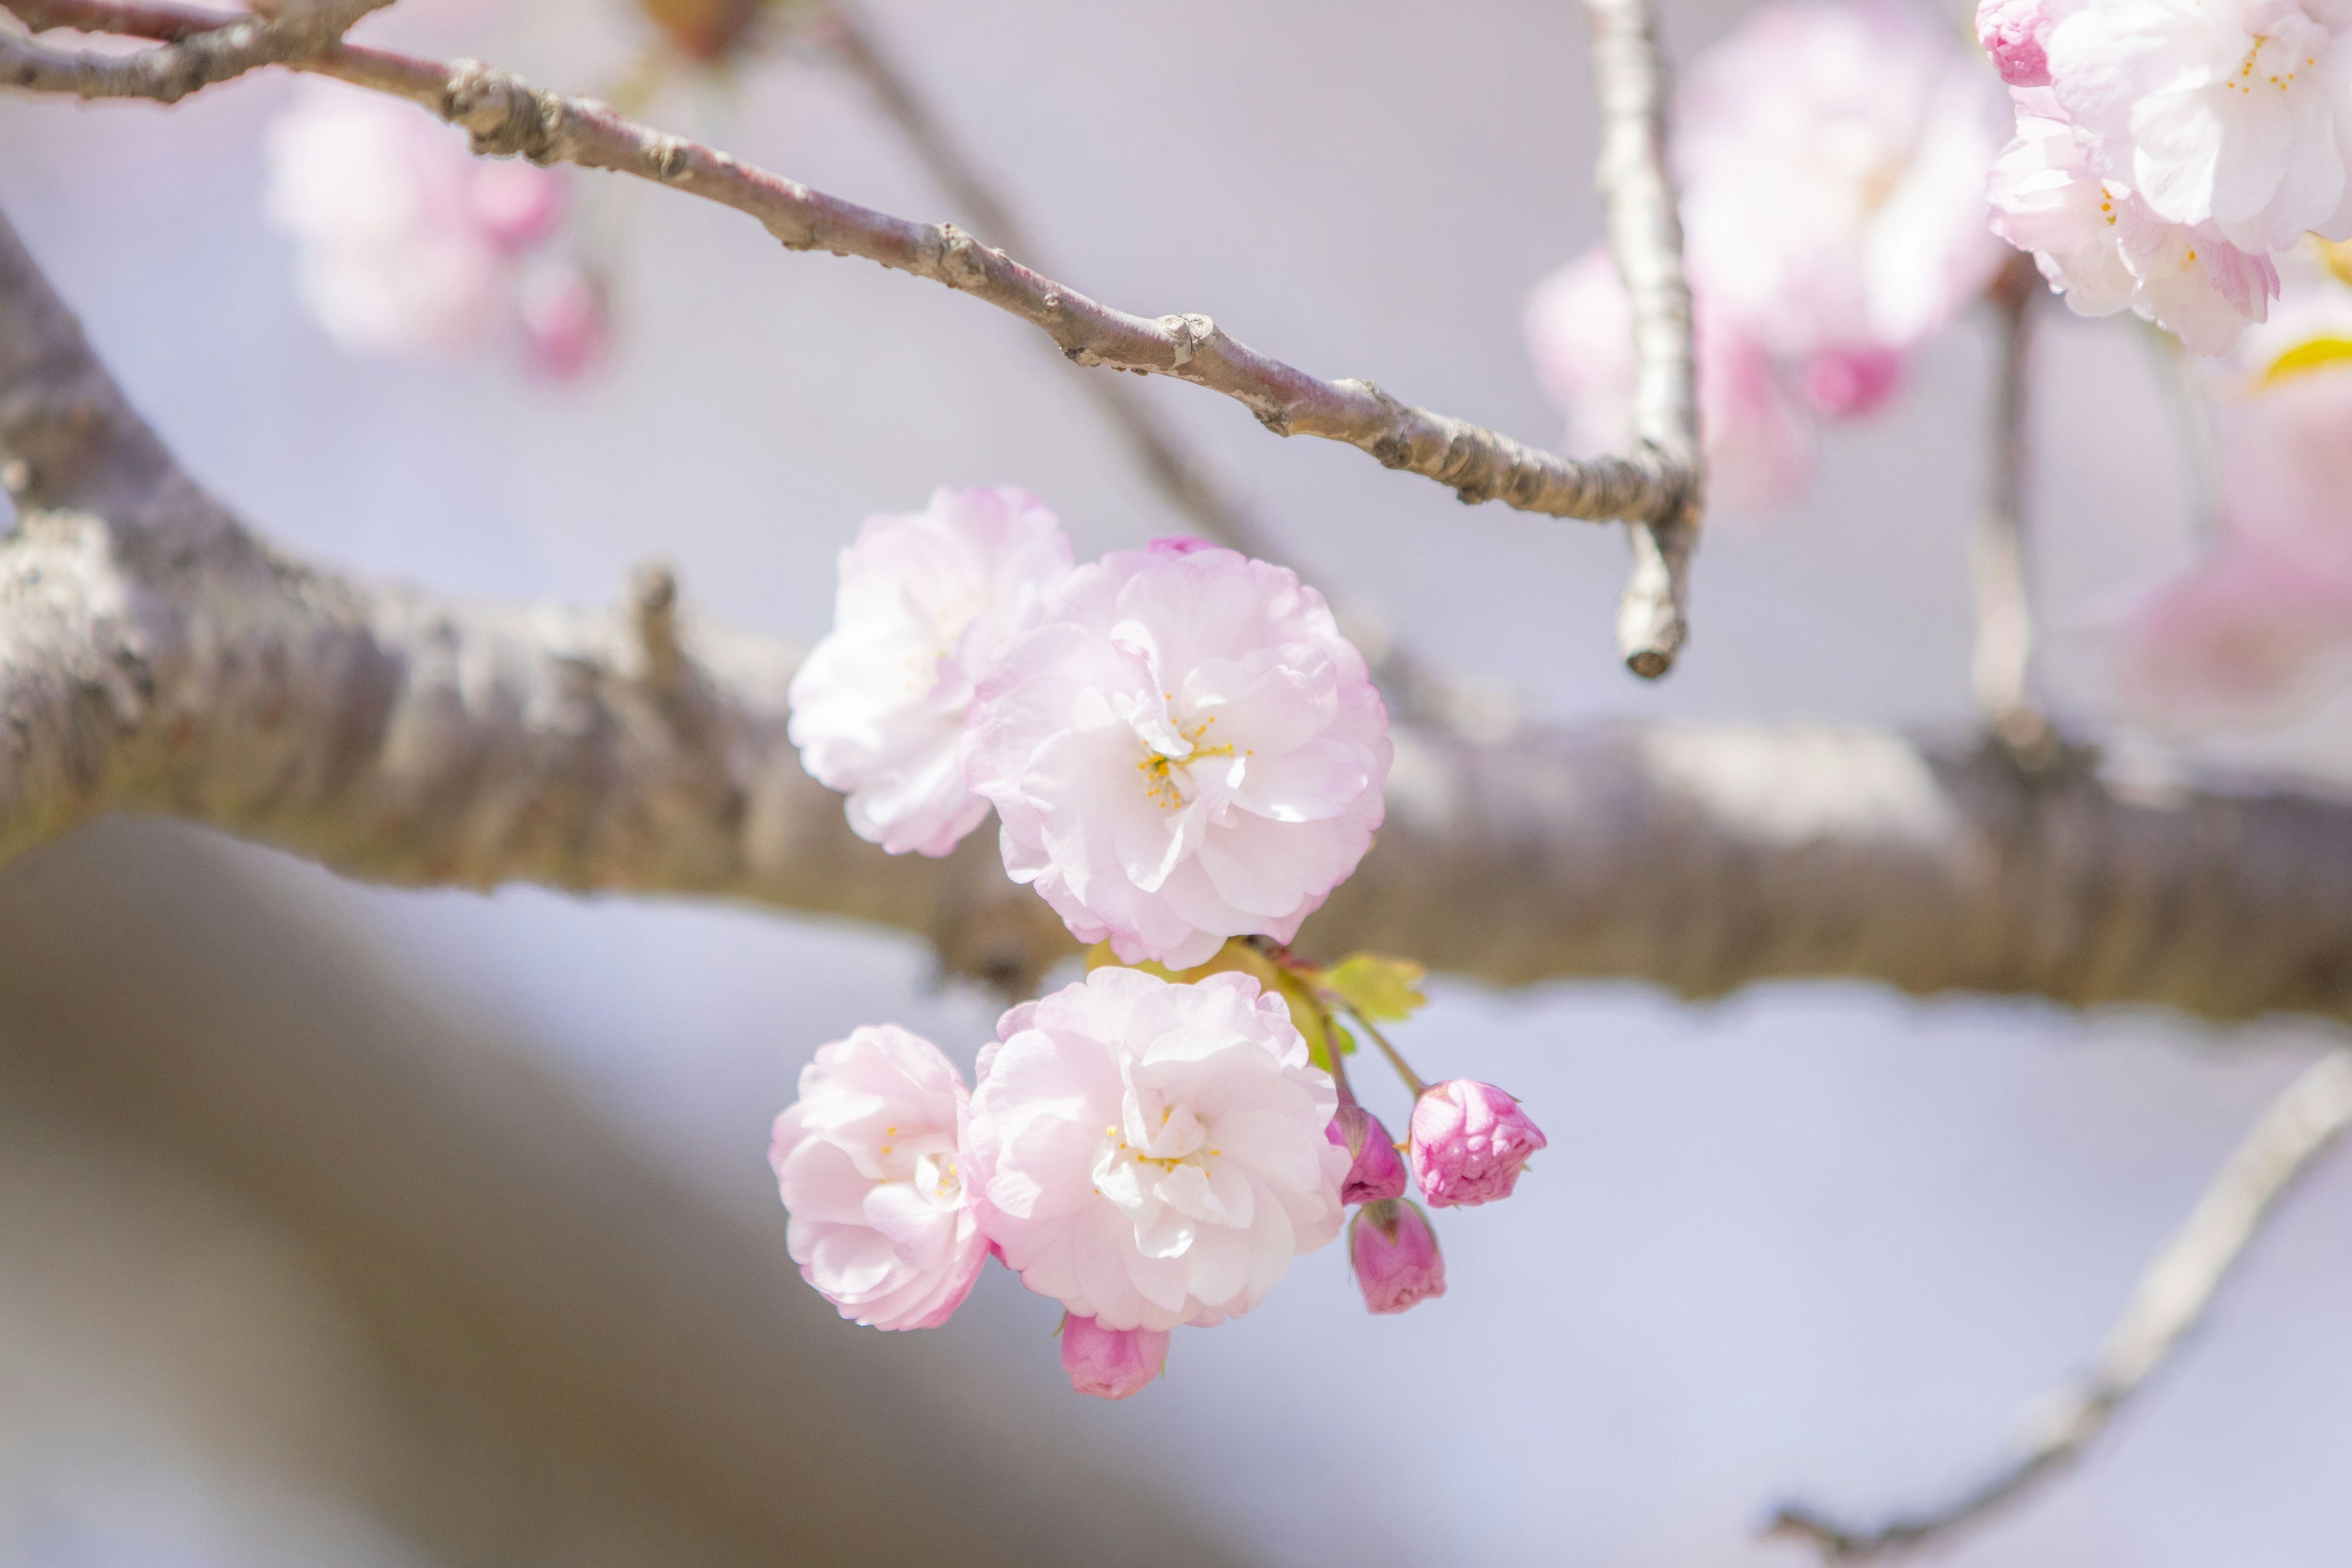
point(1111, 1363)
point(1470, 1141)
point(1378, 1172)
point(1395, 1253)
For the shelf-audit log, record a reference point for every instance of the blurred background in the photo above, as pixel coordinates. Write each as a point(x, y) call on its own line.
point(341, 1225)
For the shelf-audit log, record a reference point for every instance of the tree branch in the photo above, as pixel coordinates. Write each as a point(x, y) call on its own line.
point(2301, 1125)
point(226, 48)
point(2004, 673)
point(155, 655)
point(1658, 485)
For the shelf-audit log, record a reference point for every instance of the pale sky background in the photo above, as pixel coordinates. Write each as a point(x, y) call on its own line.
point(1814, 1240)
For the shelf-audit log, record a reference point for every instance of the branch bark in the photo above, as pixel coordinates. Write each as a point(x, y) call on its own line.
point(195, 60)
point(2299, 1128)
point(1657, 484)
point(156, 656)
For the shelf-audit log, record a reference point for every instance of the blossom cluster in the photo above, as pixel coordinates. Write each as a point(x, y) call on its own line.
point(2165, 149)
point(1185, 757)
point(407, 244)
point(1179, 745)
point(1149, 1153)
point(1832, 158)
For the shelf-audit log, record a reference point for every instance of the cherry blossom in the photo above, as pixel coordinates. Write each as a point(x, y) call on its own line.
point(1469, 1142)
point(406, 244)
point(1184, 750)
point(1377, 1171)
point(1394, 1251)
point(2097, 242)
point(1111, 1363)
point(2015, 33)
point(2232, 112)
point(925, 600)
point(1152, 1154)
point(868, 1161)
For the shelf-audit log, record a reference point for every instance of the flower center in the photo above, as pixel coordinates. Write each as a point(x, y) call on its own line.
point(1167, 777)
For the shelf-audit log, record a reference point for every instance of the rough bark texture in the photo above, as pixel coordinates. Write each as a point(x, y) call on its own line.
point(155, 655)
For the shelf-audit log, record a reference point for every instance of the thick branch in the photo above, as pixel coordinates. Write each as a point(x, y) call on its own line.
point(1657, 480)
point(2300, 1126)
point(155, 655)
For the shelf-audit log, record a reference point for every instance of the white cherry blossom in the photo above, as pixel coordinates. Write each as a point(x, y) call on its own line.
point(925, 600)
point(1151, 1154)
point(1185, 750)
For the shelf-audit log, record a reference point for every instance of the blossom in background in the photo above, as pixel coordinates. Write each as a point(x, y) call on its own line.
point(2232, 112)
point(1184, 750)
point(1394, 1251)
point(1111, 1363)
point(1833, 161)
point(867, 1160)
point(408, 244)
point(925, 601)
point(1469, 1142)
point(2106, 250)
point(1152, 1154)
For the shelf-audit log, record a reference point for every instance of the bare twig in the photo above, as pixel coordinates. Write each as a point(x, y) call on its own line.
point(2298, 1128)
point(194, 60)
point(1658, 485)
point(2004, 673)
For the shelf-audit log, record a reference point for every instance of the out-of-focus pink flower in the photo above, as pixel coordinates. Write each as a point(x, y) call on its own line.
point(2244, 633)
point(867, 1162)
point(1469, 1142)
point(1153, 1154)
point(1111, 1363)
point(563, 320)
point(2104, 249)
point(406, 244)
point(1844, 383)
point(2016, 34)
point(1833, 155)
point(1185, 750)
point(2232, 112)
point(1378, 1170)
point(1394, 1250)
point(925, 601)
point(1758, 442)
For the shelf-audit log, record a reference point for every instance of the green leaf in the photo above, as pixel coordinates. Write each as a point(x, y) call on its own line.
point(1385, 990)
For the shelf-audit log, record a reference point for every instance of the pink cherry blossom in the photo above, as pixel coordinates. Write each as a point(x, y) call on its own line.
point(925, 601)
point(405, 242)
point(2015, 34)
point(1833, 155)
point(2105, 250)
point(1758, 442)
point(1185, 750)
point(1469, 1142)
point(867, 1160)
point(563, 320)
point(1378, 1170)
point(1394, 1250)
point(1111, 1363)
point(1151, 1154)
point(2232, 112)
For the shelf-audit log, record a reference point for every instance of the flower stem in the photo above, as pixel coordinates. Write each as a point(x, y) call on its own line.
point(1412, 1079)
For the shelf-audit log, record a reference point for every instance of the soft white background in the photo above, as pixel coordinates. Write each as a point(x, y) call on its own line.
point(1815, 1240)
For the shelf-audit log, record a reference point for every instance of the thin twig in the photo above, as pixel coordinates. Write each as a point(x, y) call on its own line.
point(1657, 484)
point(1413, 1080)
point(2172, 1297)
point(191, 62)
point(2004, 669)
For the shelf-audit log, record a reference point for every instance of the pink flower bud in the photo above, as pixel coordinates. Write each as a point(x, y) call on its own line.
point(1844, 383)
point(2014, 33)
point(1470, 1141)
point(1395, 1253)
point(1377, 1173)
point(563, 321)
point(1111, 1363)
point(516, 205)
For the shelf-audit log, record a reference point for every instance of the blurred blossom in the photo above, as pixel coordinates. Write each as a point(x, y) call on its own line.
point(1758, 441)
point(1469, 1142)
point(2232, 112)
point(1395, 1254)
point(406, 244)
point(2244, 633)
point(2106, 249)
point(1111, 1363)
point(924, 602)
point(867, 1162)
point(1378, 1170)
